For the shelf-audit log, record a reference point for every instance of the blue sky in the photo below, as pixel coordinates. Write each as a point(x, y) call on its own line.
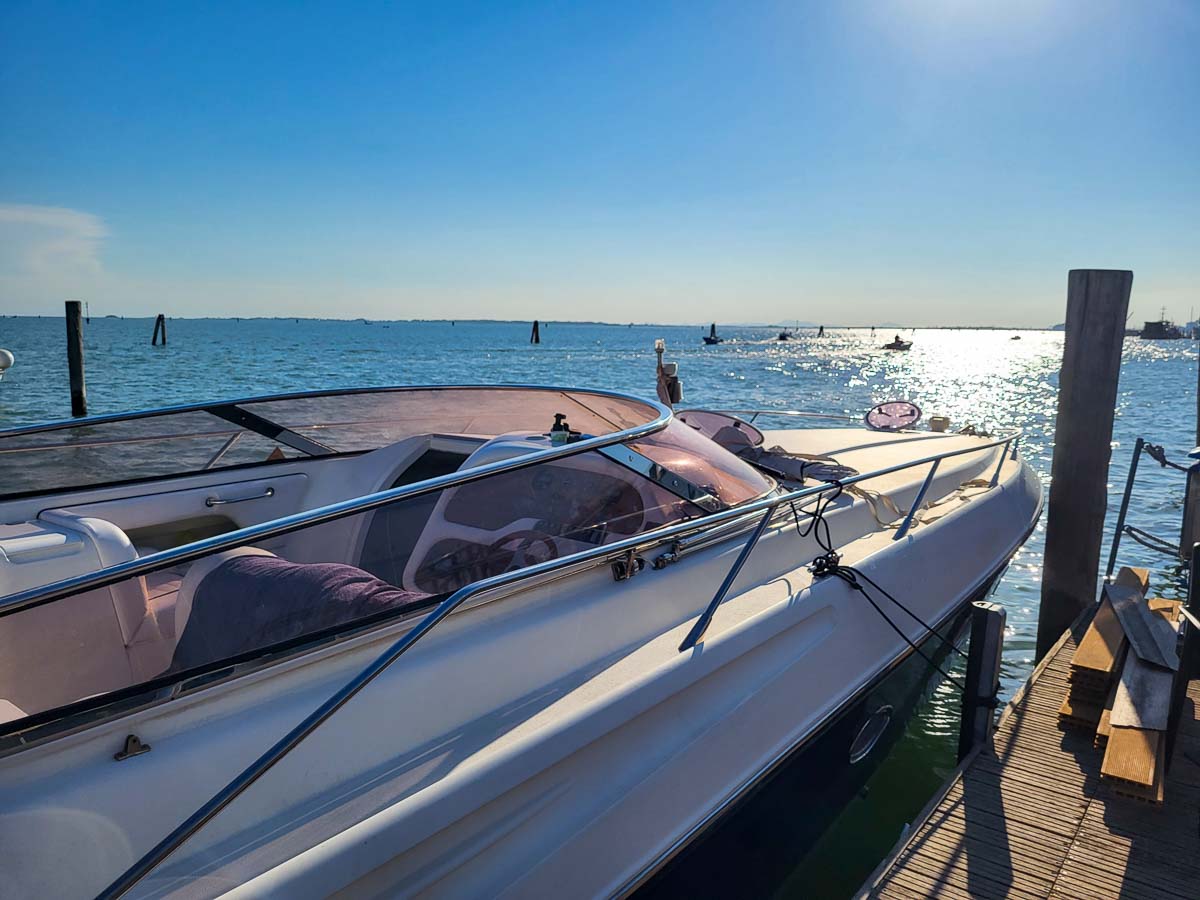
point(928, 162)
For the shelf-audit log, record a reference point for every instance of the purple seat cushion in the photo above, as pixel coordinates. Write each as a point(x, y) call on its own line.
point(251, 602)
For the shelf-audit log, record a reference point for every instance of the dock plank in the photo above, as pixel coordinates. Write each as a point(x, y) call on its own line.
point(1030, 816)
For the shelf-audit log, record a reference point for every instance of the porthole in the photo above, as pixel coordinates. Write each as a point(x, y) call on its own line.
point(870, 733)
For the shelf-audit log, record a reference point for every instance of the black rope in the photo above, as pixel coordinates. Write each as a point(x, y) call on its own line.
point(829, 563)
point(818, 527)
point(1157, 453)
point(1151, 541)
point(823, 565)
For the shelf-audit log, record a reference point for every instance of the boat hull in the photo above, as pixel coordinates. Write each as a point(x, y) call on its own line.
point(777, 820)
point(551, 741)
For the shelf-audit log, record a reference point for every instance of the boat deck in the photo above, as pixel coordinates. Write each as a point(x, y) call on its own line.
point(1029, 816)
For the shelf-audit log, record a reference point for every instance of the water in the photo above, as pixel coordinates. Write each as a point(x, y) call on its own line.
point(981, 377)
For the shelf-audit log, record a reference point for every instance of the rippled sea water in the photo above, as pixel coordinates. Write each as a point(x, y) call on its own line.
point(985, 378)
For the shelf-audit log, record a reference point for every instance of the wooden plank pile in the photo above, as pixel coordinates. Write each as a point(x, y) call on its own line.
point(1120, 684)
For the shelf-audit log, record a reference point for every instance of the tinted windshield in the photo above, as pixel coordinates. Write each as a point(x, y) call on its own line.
point(265, 431)
point(691, 455)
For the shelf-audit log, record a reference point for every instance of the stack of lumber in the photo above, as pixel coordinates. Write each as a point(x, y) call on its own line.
point(1169, 611)
point(1096, 666)
point(1135, 754)
point(1121, 684)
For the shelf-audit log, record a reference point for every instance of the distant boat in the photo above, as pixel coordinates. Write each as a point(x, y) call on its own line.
point(898, 344)
point(711, 337)
point(1161, 330)
point(784, 335)
point(1015, 337)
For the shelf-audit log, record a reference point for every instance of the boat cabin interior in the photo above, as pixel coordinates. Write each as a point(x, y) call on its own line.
point(80, 497)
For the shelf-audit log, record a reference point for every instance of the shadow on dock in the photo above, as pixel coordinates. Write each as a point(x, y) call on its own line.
point(1030, 817)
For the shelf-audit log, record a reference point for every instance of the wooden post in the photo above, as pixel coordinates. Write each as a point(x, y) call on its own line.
point(983, 675)
point(160, 324)
point(535, 337)
point(1189, 650)
point(75, 358)
point(1189, 534)
point(1097, 300)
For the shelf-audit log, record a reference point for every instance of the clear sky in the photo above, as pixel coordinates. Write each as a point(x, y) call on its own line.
point(919, 161)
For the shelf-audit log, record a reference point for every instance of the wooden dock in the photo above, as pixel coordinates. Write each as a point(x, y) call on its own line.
point(1029, 816)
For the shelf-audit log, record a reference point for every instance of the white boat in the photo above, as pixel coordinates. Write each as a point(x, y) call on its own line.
point(422, 641)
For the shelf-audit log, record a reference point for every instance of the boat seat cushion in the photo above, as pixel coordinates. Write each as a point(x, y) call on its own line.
point(248, 601)
point(198, 571)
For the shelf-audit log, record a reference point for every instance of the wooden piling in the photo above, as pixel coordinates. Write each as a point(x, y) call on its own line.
point(535, 336)
point(1189, 533)
point(160, 326)
point(1189, 651)
point(74, 312)
point(983, 675)
point(1097, 301)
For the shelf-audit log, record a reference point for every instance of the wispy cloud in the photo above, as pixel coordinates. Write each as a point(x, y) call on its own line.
point(49, 241)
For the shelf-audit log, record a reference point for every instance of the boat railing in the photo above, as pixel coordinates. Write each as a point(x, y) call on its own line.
point(612, 552)
point(753, 414)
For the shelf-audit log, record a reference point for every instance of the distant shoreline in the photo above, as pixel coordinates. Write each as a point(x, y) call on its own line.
point(802, 325)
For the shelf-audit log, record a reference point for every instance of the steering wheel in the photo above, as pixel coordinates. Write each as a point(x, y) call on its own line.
point(528, 548)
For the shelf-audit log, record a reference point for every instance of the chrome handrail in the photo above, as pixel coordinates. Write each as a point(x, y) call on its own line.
point(697, 633)
point(286, 744)
point(916, 504)
point(792, 413)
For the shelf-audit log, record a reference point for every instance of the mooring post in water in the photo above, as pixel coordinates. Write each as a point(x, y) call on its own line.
point(160, 326)
point(983, 675)
point(1097, 301)
point(535, 336)
point(75, 357)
